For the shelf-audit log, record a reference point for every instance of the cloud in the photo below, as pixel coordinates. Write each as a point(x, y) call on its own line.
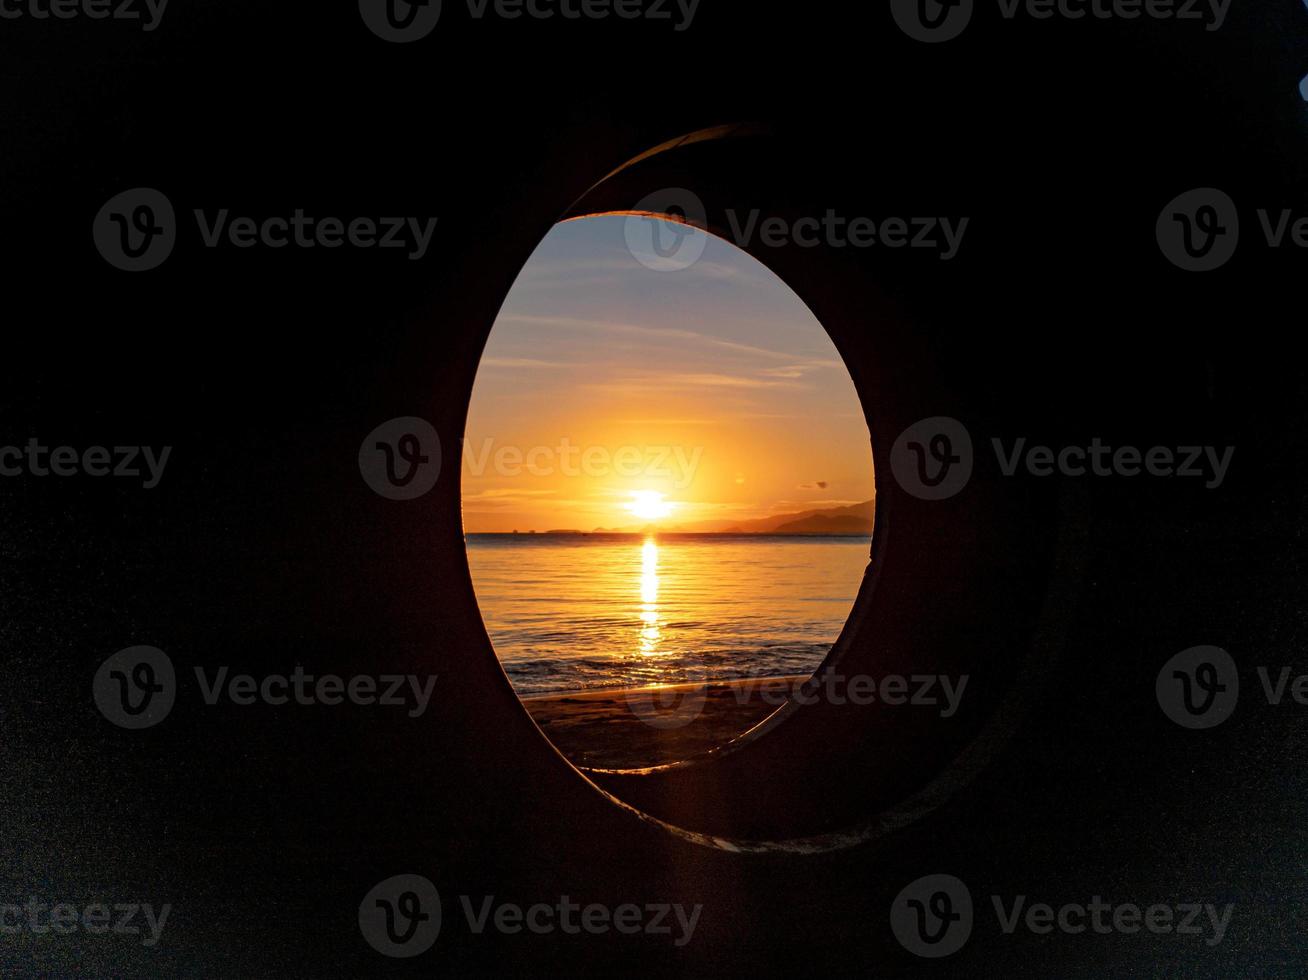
point(520, 362)
point(818, 485)
point(799, 370)
point(634, 329)
point(661, 385)
point(503, 493)
point(618, 270)
point(654, 421)
point(712, 380)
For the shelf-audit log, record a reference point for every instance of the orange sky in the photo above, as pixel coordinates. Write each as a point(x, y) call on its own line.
point(606, 384)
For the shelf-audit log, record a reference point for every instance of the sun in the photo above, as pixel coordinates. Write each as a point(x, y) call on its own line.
point(649, 505)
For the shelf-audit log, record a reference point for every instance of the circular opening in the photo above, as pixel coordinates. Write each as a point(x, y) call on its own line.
point(667, 491)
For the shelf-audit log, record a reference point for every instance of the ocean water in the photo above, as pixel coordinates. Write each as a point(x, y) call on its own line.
point(575, 612)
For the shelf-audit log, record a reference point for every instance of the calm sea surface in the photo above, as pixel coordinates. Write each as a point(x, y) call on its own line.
point(600, 611)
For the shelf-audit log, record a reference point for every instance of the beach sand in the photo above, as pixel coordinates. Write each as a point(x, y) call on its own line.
point(637, 727)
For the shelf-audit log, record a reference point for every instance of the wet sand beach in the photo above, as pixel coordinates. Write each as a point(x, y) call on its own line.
point(636, 727)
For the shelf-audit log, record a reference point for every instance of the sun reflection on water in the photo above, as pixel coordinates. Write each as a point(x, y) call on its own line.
point(649, 598)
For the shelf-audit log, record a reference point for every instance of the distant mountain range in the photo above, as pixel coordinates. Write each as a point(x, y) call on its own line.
point(854, 519)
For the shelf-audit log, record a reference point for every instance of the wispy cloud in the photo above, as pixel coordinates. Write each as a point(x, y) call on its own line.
point(711, 380)
point(520, 362)
point(615, 270)
point(800, 370)
point(717, 421)
point(637, 330)
point(505, 493)
point(662, 384)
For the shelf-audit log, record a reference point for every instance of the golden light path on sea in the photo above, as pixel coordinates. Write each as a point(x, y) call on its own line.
point(649, 598)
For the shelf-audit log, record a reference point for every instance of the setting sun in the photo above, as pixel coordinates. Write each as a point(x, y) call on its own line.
point(649, 505)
